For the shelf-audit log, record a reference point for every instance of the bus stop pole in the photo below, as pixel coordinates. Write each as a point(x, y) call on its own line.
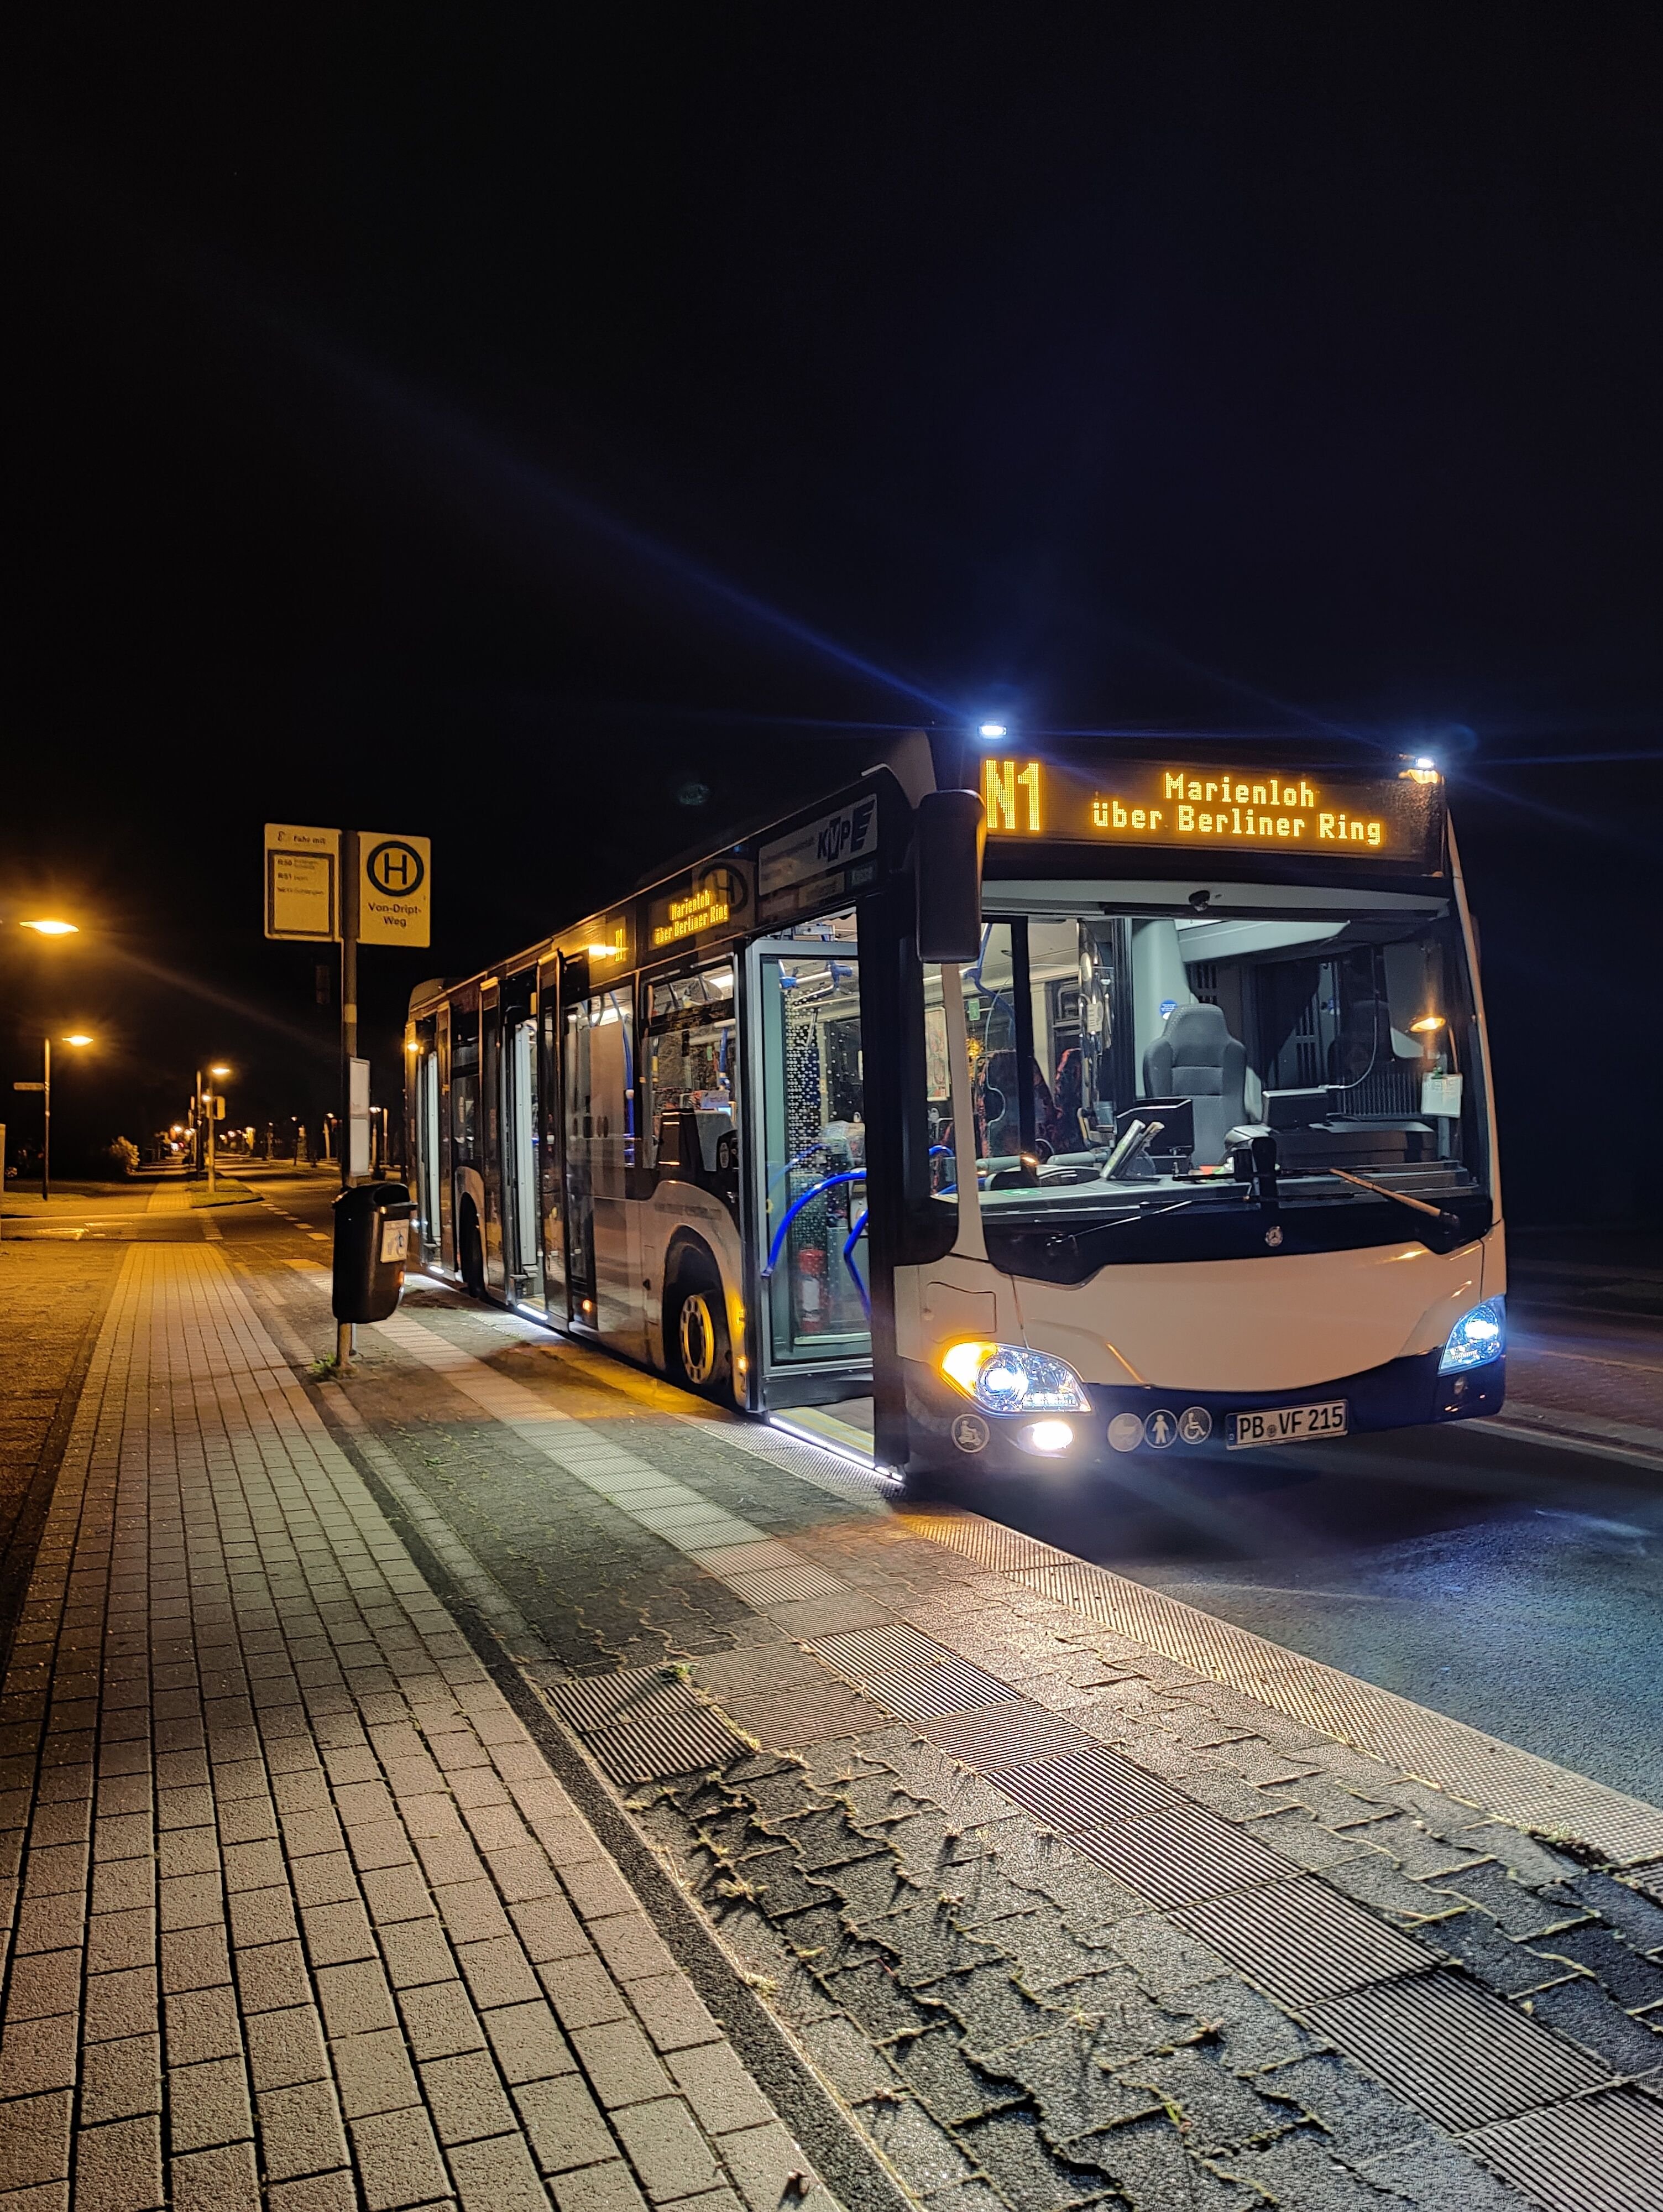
point(345, 1334)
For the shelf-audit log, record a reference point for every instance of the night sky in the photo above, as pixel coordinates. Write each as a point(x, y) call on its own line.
point(578, 436)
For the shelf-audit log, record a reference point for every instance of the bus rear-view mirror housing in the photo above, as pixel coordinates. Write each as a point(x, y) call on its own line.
point(950, 830)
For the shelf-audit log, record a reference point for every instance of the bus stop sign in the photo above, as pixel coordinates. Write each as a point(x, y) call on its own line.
point(395, 889)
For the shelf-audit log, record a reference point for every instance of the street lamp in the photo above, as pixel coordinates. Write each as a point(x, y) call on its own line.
point(49, 928)
point(206, 1103)
point(77, 1038)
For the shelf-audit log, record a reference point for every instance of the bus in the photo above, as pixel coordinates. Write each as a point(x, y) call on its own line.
point(1011, 1106)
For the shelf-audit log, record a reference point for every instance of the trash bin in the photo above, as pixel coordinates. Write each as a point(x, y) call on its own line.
point(372, 1242)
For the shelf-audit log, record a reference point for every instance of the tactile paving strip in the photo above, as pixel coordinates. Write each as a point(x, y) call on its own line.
point(1007, 1734)
point(917, 1679)
point(1089, 1790)
point(1453, 2050)
point(1173, 1858)
point(782, 1585)
point(670, 1743)
point(1602, 2153)
point(641, 1725)
point(1301, 1942)
point(988, 1541)
point(589, 1701)
point(1531, 1792)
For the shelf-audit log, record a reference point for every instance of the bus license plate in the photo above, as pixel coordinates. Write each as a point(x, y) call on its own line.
point(1288, 1424)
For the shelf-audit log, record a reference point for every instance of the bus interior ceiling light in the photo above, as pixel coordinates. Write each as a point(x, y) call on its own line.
point(1478, 1337)
point(1008, 1378)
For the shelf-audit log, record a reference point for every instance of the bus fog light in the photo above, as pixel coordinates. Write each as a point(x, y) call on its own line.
point(1478, 1337)
point(1049, 1436)
point(1008, 1379)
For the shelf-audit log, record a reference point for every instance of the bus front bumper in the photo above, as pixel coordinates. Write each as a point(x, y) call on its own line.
point(945, 1430)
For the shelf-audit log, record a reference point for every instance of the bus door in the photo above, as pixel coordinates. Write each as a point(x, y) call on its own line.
point(603, 1238)
point(490, 1135)
point(428, 1172)
point(445, 1213)
point(523, 1246)
point(808, 1150)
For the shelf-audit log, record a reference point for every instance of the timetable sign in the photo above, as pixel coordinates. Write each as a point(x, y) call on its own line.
point(302, 882)
point(1210, 809)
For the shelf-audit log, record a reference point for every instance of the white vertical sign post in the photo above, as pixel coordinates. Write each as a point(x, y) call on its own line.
point(358, 1144)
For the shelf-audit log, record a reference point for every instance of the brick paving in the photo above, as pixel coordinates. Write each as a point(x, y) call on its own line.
point(297, 1911)
point(1012, 2021)
point(300, 1910)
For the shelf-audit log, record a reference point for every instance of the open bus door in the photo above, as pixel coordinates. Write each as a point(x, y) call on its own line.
point(807, 1144)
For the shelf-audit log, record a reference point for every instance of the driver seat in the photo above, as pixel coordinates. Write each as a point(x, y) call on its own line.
point(1196, 1057)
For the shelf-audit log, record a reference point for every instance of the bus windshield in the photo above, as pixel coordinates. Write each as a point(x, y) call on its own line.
point(1121, 1060)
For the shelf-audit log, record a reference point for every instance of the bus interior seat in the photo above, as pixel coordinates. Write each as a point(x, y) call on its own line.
point(1196, 1057)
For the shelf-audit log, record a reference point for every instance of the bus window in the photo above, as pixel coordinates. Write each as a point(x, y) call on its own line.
point(691, 1058)
point(1349, 1036)
point(814, 1131)
point(464, 1089)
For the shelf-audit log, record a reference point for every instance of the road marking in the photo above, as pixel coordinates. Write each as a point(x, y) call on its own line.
point(1590, 1358)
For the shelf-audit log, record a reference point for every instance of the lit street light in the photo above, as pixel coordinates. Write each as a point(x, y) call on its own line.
point(77, 1038)
point(51, 928)
point(210, 1107)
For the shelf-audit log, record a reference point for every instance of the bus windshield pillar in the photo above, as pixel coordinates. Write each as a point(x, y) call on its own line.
point(970, 1240)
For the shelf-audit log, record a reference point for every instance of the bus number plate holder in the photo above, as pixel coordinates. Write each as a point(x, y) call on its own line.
point(1288, 1424)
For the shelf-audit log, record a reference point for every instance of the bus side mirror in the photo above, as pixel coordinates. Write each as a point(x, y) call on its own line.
point(950, 830)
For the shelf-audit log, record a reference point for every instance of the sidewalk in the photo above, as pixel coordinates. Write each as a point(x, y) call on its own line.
point(1008, 1880)
point(299, 1907)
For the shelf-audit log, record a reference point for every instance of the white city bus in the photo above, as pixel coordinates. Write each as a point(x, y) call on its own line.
point(1161, 1122)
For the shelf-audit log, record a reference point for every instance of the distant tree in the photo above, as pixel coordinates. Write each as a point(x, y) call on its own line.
point(123, 1155)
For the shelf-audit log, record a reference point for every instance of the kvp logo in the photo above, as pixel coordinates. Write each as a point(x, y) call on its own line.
point(846, 833)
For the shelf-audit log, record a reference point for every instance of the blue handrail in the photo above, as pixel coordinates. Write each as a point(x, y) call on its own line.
point(850, 1242)
point(814, 1190)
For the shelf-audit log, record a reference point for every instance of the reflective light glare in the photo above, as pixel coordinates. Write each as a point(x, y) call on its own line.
point(1426, 1022)
point(1008, 1378)
point(1478, 1337)
point(992, 732)
point(1051, 1436)
point(53, 929)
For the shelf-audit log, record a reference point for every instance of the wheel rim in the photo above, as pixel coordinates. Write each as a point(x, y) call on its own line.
point(697, 1332)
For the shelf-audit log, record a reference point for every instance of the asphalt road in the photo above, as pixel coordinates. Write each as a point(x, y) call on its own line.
point(1513, 1585)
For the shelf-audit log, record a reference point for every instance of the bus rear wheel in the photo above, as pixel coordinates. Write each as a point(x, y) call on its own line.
point(697, 1351)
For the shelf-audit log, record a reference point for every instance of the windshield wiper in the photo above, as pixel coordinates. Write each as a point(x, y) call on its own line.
point(1440, 1214)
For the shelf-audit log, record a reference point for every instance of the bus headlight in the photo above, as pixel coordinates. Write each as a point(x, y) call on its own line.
point(1008, 1378)
point(1477, 1338)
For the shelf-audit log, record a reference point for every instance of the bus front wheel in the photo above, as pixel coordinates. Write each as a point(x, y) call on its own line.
point(699, 1354)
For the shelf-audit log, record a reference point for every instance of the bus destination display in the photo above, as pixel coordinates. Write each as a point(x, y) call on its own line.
point(1211, 809)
